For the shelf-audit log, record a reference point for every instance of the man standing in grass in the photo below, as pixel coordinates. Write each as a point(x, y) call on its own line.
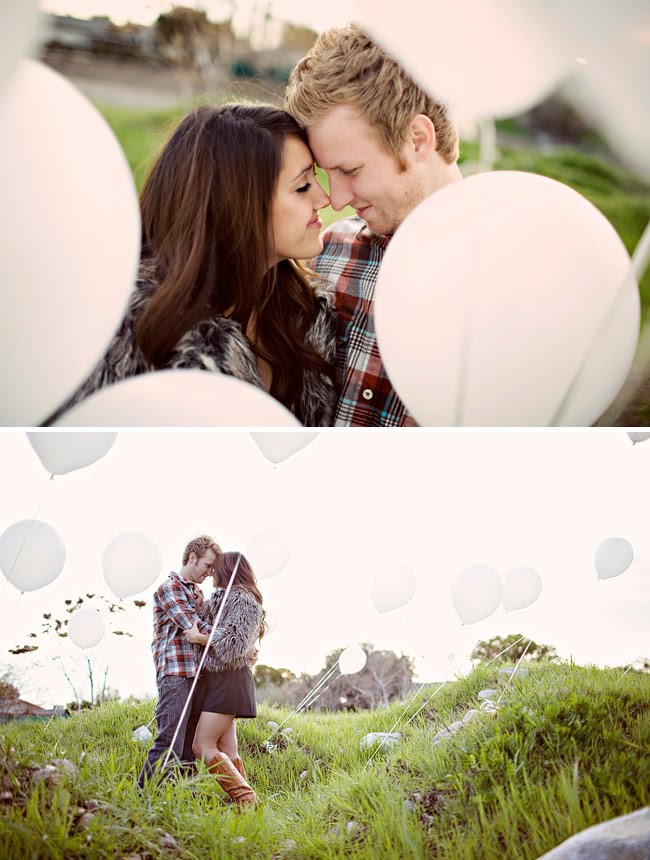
point(175, 610)
point(386, 145)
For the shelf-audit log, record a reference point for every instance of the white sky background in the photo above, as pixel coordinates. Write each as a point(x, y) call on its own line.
point(347, 503)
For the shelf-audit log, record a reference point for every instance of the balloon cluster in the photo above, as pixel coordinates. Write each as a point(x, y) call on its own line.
point(478, 591)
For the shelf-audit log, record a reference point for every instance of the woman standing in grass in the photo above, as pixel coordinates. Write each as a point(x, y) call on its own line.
point(226, 686)
point(228, 210)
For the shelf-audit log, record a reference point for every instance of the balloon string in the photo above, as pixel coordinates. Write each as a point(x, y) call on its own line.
point(384, 740)
point(302, 702)
point(514, 671)
point(317, 695)
point(202, 661)
point(31, 525)
point(638, 265)
point(632, 664)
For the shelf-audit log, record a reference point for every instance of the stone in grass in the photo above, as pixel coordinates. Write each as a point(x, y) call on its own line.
point(442, 735)
point(508, 671)
point(471, 715)
point(487, 694)
point(623, 838)
point(386, 739)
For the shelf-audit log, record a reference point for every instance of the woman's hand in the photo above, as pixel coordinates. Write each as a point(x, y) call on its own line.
point(194, 635)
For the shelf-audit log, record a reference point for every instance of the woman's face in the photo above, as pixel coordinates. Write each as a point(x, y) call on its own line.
point(298, 197)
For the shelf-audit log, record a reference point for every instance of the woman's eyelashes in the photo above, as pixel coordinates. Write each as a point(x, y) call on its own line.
point(304, 188)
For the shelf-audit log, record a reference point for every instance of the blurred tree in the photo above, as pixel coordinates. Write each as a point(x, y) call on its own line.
point(385, 677)
point(9, 692)
point(488, 649)
point(187, 37)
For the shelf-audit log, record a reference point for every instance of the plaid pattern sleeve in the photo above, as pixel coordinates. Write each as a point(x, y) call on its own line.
point(174, 611)
point(349, 263)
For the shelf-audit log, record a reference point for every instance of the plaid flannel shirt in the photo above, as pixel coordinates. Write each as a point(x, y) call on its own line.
point(349, 263)
point(174, 610)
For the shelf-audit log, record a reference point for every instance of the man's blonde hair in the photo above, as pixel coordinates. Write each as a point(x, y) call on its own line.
point(200, 545)
point(345, 67)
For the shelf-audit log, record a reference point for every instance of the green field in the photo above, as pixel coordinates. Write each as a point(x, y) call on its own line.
point(620, 196)
point(568, 747)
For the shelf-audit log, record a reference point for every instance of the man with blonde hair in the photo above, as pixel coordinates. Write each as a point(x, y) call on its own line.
point(386, 145)
point(177, 661)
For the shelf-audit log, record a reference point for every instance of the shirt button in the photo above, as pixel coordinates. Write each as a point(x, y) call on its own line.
point(366, 394)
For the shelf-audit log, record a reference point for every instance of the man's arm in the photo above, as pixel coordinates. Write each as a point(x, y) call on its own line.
point(179, 607)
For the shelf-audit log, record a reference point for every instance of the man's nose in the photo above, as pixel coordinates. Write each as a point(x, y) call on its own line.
point(340, 193)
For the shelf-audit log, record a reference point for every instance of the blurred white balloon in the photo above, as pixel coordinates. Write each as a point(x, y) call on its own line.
point(32, 554)
point(69, 241)
point(613, 557)
point(179, 398)
point(393, 585)
point(521, 587)
point(268, 553)
point(476, 593)
point(278, 446)
point(637, 437)
point(352, 660)
point(19, 21)
point(131, 562)
point(529, 317)
point(86, 628)
point(610, 44)
point(488, 58)
point(65, 452)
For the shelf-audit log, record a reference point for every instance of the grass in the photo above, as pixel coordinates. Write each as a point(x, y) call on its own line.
point(621, 197)
point(568, 747)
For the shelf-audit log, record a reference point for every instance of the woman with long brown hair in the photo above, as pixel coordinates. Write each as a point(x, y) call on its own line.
point(226, 688)
point(229, 210)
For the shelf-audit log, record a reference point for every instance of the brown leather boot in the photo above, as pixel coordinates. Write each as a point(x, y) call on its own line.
point(232, 781)
point(239, 764)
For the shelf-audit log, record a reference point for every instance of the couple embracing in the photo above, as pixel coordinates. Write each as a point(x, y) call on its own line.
point(230, 218)
point(204, 725)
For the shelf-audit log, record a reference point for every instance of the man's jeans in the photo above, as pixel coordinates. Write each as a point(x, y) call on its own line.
point(172, 695)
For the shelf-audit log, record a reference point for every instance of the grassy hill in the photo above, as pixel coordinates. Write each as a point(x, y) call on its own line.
point(568, 747)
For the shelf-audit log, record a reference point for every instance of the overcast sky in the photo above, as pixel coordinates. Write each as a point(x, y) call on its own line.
point(349, 502)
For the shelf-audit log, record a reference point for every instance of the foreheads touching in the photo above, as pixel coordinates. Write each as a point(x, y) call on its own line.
point(345, 67)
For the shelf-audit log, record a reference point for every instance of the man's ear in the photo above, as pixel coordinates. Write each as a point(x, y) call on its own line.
point(192, 557)
point(422, 135)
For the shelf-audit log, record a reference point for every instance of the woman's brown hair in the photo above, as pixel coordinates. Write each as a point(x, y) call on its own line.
point(206, 211)
point(244, 579)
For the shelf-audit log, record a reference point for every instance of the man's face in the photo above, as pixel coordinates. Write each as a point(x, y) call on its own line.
point(201, 567)
point(362, 174)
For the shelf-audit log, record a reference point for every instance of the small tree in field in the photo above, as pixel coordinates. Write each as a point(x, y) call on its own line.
point(488, 649)
point(53, 626)
point(385, 677)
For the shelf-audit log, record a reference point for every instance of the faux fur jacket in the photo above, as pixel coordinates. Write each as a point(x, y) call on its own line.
point(239, 627)
point(216, 344)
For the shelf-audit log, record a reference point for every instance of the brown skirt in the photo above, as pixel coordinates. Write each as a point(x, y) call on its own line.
point(229, 692)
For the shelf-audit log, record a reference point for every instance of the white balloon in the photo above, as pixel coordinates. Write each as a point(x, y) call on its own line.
point(638, 437)
point(521, 587)
point(69, 241)
point(392, 586)
point(86, 628)
point(180, 398)
point(268, 553)
point(489, 58)
point(18, 35)
point(65, 452)
point(611, 72)
point(613, 557)
point(352, 660)
point(278, 446)
point(32, 554)
point(131, 562)
point(529, 317)
point(476, 593)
